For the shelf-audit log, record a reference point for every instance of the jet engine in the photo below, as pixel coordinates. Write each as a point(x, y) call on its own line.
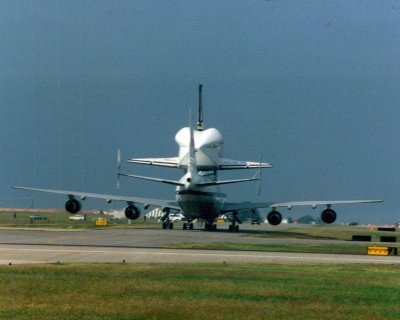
point(328, 216)
point(73, 206)
point(274, 218)
point(132, 212)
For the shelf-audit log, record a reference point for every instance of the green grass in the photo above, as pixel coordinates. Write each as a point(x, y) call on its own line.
point(206, 291)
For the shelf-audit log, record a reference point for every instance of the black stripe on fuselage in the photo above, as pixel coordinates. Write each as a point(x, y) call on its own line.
point(200, 193)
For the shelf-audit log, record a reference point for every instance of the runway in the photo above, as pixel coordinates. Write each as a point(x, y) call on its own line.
point(28, 254)
point(146, 246)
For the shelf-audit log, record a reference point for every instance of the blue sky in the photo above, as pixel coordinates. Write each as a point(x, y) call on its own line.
point(313, 86)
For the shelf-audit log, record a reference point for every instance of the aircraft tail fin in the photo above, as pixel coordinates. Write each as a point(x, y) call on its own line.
point(260, 176)
point(118, 167)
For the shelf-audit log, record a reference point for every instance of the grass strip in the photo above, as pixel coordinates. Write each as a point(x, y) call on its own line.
point(205, 291)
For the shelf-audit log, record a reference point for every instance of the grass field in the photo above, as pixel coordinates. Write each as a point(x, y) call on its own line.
point(209, 291)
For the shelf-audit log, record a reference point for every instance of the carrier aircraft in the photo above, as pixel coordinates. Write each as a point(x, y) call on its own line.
point(198, 194)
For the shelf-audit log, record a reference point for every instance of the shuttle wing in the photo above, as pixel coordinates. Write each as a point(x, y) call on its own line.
point(229, 164)
point(85, 195)
point(161, 162)
point(223, 163)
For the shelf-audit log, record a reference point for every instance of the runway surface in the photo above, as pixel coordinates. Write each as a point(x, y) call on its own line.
point(26, 254)
point(145, 246)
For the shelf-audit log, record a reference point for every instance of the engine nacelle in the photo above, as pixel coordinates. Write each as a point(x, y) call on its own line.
point(328, 216)
point(132, 212)
point(274, 218)
point(73, 206)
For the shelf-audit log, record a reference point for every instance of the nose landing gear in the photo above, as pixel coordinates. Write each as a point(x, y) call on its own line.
point(210, 226)
point(188, 225)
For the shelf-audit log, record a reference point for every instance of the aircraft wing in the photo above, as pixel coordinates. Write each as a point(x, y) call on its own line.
point(231, 206)
point(314, 204)
point(237, 206)
point(161, 162)
point(85, 195)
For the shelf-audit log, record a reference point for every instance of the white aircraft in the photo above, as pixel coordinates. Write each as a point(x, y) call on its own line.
point(198, 195)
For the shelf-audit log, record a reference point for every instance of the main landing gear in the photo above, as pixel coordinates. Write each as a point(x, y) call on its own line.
point(167, 223)
point(233, 227)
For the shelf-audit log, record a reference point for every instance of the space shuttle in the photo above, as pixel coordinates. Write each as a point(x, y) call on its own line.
point(209, 150)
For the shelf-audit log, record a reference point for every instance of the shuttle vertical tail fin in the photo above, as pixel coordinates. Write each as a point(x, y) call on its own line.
point(200, 121)
point(192, 165)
